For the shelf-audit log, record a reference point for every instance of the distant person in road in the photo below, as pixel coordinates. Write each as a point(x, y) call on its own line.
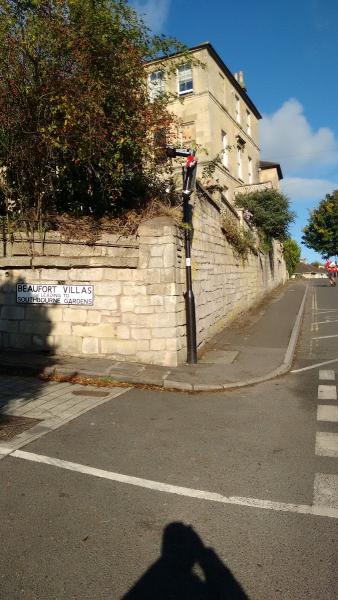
point(331, 268)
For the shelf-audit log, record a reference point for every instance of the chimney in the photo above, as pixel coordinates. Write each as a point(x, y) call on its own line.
point(240, 78)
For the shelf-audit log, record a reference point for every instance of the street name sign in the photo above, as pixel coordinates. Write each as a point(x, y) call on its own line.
point(50, 293)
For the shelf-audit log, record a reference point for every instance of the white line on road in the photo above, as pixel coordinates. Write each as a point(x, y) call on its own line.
point(327, 392)
point(315, 510)
point(321, 364)
point(326, 375)
point(327, 412)
point(327, 444)
point(326, 490)
point(327, 322)
point(325, 337)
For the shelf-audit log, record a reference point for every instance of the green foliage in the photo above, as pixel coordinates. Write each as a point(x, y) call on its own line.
point(321, 233)
point(241, 240)
point(76, 121)
point(270, 211)
point(291, 255)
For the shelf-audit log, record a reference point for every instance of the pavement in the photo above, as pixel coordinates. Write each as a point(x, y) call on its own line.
point(258, 346)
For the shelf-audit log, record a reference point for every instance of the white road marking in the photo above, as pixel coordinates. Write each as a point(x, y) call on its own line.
point(321, 310)
point(327, 444)
point(315, 510)
point(327, 392)
point(326, 490)
point(326, 375)
point(326, 322)
point(327, 412)
point(325, 337)
point(321, 364)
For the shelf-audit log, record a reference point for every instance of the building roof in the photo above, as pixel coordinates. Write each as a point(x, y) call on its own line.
point(241, 91)
point(265, 164)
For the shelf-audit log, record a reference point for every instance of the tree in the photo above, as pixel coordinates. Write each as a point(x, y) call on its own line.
point(321, 233)
point(270, 211)
point(291, 255)
point(76, 121)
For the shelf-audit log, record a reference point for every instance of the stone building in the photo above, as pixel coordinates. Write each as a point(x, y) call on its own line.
point(216, 113)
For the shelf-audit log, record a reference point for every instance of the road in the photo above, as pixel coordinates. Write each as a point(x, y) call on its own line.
point(175, 495)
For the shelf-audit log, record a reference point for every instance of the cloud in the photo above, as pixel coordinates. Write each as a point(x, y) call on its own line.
point(287, 137)
point(301, 188)
point(153, 12)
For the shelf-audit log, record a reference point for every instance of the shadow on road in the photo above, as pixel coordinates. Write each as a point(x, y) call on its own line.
point(24, 330)
point(186, 570)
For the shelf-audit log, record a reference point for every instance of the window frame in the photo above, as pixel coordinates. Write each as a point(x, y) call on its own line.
point(237, 109)
point(153, 85)
point(239, 161)
point(248, 123)
point(225, 152)
point(250, 170)
point(184, 92)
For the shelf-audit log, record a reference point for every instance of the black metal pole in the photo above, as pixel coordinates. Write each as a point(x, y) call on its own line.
point(189, 294)
point(189, 178)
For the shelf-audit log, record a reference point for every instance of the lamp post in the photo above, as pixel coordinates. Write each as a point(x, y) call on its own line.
point(189, 179)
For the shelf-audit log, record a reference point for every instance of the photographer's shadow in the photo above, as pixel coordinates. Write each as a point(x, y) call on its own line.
point(186, 570)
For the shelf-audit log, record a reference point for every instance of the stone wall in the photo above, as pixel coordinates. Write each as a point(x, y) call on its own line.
point(138, 312)
point(137, 289)
point(224, 285)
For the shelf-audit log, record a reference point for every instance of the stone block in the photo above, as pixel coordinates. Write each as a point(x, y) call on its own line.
point(39, 327)
point(144, 310)
point(163, 332)
point(157, 300)
point(158, 344)
point(86, 275)
point(12, 312)
point(157, 250)
point(169, 256)
point(134, 290)
point(40, 342)
point(61, 328)
point(9, 326)
point(127, 304)
point(20, 340)
point(14, 262)
point(54, 275)
point(8, 299)
point(155, 263)
point(51, 249)
point(171, 345)
point(149, 320)
point(140, 333)
point(73, 250)
point(143, 258)
point(111, 288)
point(65, 344)
point(157, 227)
point(123, 347)
point(122, 332)
point(105, 302)
point(164, 289)
point(75, 315)
point(104, 330)
point(93, 316)
point(90, 346)
point(142, 346)
point(117, 274)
